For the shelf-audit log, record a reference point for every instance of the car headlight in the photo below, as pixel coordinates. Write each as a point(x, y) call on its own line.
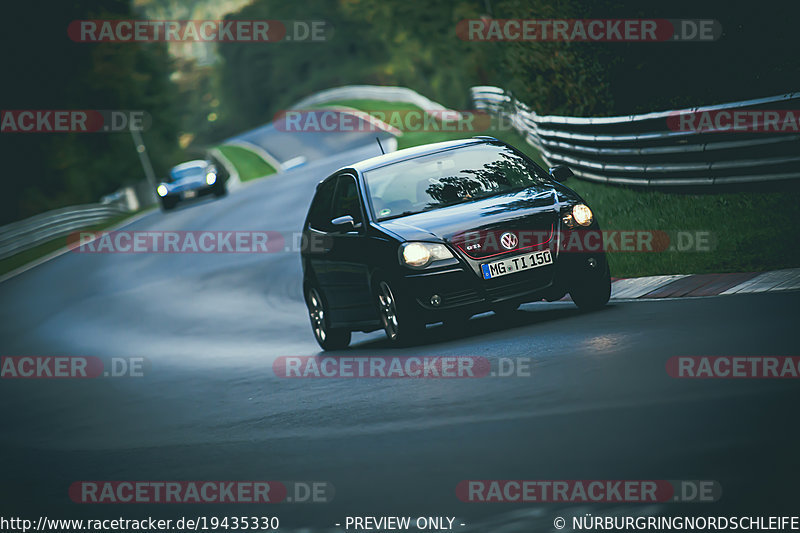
point(211, 178)
point(582, 214)
point(162, 190)
point(421, 254)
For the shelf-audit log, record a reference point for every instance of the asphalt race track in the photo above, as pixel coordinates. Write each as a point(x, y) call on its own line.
point(597, 405)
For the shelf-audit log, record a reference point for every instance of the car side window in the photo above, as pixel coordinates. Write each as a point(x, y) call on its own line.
point(346, 200)
point(319, 215)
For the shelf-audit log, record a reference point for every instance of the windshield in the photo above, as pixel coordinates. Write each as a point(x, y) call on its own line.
point(447, 178)
point(187, 172)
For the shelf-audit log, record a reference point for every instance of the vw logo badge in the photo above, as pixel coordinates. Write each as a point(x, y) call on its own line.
point(508, 240)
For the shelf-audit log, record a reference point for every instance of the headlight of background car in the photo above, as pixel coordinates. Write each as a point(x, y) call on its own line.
point(211, 177)
point(421, 254)
point(162, 190)
point(580, 214)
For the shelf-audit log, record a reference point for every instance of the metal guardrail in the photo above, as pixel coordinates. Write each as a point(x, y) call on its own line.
point(25, 234)
point(646, 150)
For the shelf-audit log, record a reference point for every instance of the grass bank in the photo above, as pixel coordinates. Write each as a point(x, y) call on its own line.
point(248, 164)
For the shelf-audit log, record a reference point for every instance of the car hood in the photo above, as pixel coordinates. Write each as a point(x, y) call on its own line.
point(533, 210)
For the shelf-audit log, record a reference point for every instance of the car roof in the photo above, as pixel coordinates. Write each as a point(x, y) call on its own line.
point(191, 164)
point(416, 151)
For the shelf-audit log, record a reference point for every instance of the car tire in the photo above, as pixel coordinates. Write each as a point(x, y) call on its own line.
point(592, 296)
point(167, 203)
point(328, 338)
point(401, 327)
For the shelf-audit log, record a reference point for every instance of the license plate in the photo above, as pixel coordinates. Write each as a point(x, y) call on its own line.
point(516, 264)
point(189, 194)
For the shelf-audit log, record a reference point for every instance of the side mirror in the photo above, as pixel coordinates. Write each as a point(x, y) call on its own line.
point(561, 172)
point(344, 223)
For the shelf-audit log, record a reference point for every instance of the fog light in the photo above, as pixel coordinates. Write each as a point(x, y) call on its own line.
point(436, 300)
point(592, 262)
point(582, 215)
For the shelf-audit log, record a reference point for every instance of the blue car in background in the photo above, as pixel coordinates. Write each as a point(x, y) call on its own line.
point(190, 180)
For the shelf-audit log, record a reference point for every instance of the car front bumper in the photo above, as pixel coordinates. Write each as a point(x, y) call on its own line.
point(198, 191)
point(458, 289)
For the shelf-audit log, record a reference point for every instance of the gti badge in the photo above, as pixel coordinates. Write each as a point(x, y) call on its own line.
point(508, 240)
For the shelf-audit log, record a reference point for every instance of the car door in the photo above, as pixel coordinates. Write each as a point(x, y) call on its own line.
point(317, 244)
point(347, 260)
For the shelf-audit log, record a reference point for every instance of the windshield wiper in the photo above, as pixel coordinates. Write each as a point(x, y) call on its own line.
point(398, 215)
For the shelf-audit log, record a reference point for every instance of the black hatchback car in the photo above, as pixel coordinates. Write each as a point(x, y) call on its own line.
point(440, 232)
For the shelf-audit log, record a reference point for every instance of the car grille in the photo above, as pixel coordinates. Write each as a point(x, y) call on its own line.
point(531, 233)
point(462, 297)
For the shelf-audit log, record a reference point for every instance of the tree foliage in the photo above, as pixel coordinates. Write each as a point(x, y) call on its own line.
point(47, 71)
point(386, 42)
point(416, 44)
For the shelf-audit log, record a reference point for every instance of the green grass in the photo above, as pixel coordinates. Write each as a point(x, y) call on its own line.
point(30, 255)
point(748, 231)
point(248, 164)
